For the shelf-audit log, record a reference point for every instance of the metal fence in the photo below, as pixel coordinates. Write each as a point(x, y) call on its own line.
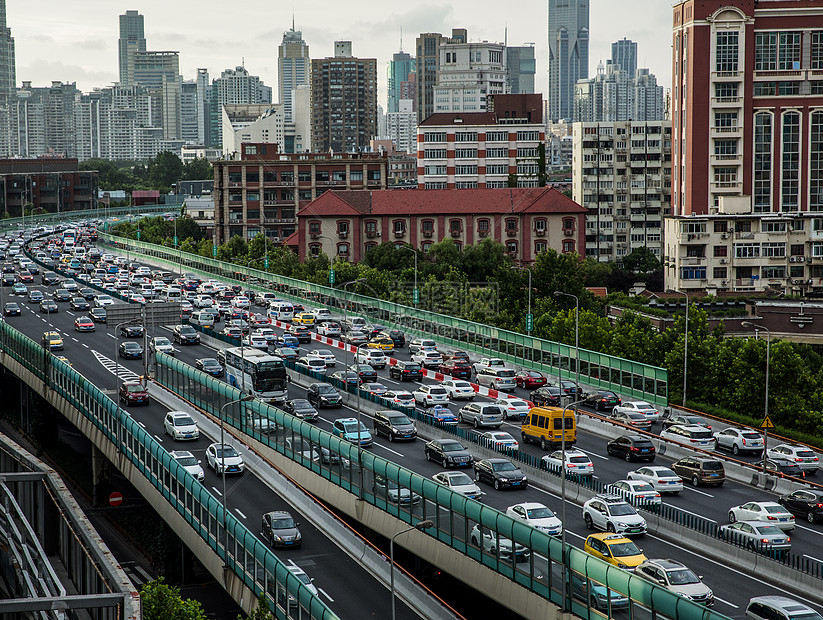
point(603, 371)
point(49, 219)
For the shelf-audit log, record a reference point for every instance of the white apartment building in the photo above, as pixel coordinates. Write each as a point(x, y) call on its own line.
point(467, 74)
point(621, 173)
point(401, 127)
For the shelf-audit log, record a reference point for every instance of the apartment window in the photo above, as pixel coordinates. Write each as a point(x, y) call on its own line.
point(692, 228)
point(816, 162)
point(765, 89)
point(529, 169)
point(465, 169)
point(434, 136)
point(465, 185)
point(528, 136)
point(762, 162)
point(797, 249)
point(343, 249)
point(314, 250)
point(322, 176)
point(370, 246)
point(726, 51)
point(725, 148)
point(338, 175)
point(817, 250)
point(568, 246)
point(720, 251)
point(725, 176)
point(342, 228)
point(497, 153)
point(693, 273)
point(540, 225)
point(374, 175)
point(789, 52)
point(726, 91)
point(790, 185)
point(435, 185)
point(774, 272)
point(527, 152)
point(465, 136)
point(431, 154)
point(455, 226)
point(745, 226)
point(817, 49)
point(767, 226)
point(314, 228)
point(399, 227)
point(568, 224)
point(497, 169)
point(497, 136)
point(765, 51)
point(511, 226)
point(747, 250)
point(483, 226)
point(371, 227)
point(439, 170)
point(356, 175)
point(511, 247)
point(427, 226)
point(540, 246)
point(720, 227)
point(773, 250)
point(427, 245)
point(797, 271)
point(287, 176)
point(719, 273)
point(725, 121)
point(304, 176)
point(465, 153)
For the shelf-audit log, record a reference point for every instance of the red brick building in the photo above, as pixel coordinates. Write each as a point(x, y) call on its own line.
point(526, 220)
point(53, 184)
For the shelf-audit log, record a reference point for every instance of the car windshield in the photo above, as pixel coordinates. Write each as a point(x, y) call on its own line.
point(353, 427)
point(665, 473)
point(227, 451)
point(325, 389)
point(635, 416)
point(701, 435)
point(578, 459)
point(452, 447)
point(805, 615)
point(187, 330)
point(399, 419)
point(460, 479)
point(805, 453)
point(681, 577)
point(504, 466)
point(750, 436)
point(437, 390)
point(187, 461)
point(622, 510)
point(183, 421)
point(768, 529)
point(539, 513)
point(135, 388)
point(774, 508)
point(713, 465)
point(283, 523)
point(642, 487)
point(301, 404)
point(621, 550)
point(162, 342)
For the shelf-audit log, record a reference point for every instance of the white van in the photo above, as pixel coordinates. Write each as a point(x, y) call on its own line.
point(171, 293)
point(147, 290)
point(203, 318)
point(79, 251)
point(281, 311)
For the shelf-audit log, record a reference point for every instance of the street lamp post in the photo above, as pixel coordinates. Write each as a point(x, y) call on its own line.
point(420, 526)
point(757, 329)
point(415, 294)
point(242, 399)
point(578, 391)
point(563, 472)
point(685, 343)
point(529, 321)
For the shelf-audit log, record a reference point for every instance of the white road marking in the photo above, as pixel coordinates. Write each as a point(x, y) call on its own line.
point(808, 529)
point(324, 593)
point(813, 558)
point(70, 313)
point(141, 424)
point(158, 438)
point(112, 336)
point(75, 339)
point(594, 454)
point(237, 510)
point(689, 511)
point(216, 490)
point(85, 345)
point(377, 445)
point(717, 598)
point(697, 491)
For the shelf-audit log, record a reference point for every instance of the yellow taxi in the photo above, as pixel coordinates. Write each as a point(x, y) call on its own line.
point(303, 318)
point(52, 340)
point(381, 343)
point(615, 549)
point(64, 359)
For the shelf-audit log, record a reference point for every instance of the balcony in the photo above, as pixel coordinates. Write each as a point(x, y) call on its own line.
point(540, 232)
point(343, 234)
point(399, 234)
point(569, 232)
point(483, 233)
point(724, 131)
point(371, 234)
point(456, 233)
point(428, 234)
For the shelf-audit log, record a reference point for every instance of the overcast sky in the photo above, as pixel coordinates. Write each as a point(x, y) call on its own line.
point(76, 40)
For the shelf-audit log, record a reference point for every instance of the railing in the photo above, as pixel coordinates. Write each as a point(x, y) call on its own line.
point(630, 378)
point(249, 558)
point(48, 219)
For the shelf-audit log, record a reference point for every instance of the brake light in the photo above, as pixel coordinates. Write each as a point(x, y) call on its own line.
point(633, 449)
point(820, 505)
point(788, 539)
point(798, 459)
point(571, 465)
point(764, 540)
point(772, 518)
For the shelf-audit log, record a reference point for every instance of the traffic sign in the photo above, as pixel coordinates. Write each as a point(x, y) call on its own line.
point(115, 499)
point(138, 235)
point(331, 276)
point(767, 423)
point(175, 240)
point(416, 296)
point(529, 322)
point(214, 251)
point(266, 263)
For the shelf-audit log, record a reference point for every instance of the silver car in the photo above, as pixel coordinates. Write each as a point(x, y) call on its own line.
point(756, 536)
point(738, 440)
point(677, 578)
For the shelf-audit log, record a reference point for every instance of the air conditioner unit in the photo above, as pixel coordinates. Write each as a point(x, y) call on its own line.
point(724, 236)
point(724, 282)
point(723, 261)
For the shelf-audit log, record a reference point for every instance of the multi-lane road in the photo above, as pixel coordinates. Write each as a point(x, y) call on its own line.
point(92, 353)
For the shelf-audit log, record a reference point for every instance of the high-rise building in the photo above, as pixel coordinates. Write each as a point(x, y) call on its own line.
point(293, 68)
point(521, 68)
point(624, 55)
point(401, 127)
point(427, 62)
point(132, 40)
point(400, 67)
point(46, 120)
point(238, 86)
point(747, 184)
point(568, 54)
point(612, 95)
point(8, 85)
point(468, 73)
point(203, 97)
point(343, 101)
point(159, 72)
point(189, 105)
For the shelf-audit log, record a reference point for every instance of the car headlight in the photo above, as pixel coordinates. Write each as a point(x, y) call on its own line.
point(621, 565)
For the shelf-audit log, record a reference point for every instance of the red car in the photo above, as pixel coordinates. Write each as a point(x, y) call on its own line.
point(25, 277)
point(133, 393)
point(530, 379)
point(456, 367)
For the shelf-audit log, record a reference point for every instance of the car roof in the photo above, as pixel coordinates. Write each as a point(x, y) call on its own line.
point(608, 537)
point(780, 601)
point(278, 513)
point(665, 564)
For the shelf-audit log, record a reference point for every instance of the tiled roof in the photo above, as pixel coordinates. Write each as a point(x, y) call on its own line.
point(442, 201)
point(598, 291)
point(465, 118)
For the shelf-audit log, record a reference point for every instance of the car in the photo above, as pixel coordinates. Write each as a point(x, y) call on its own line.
point(577, 462)
point(700, 470)
point(19, 289)
point(188, 462)
point(428, 358)
point(132, 331)
point(301, 332)
point(636, 492)
point(48, 278)
point(676, 577)
point(88, 294)
point(662, 479)
point(458, 389)
point(404, 370)
point(448, 452)
point(449, 353)
point(441, 414)
point(301, 408)
point(61, 294)
point(738, 440)
point(613, 514)
point(53, 341)
point(501, 473)
point(162, 344)
point(7, 280)
point(48, 306)
point(381, 343)
point(694, 435)
point(804, 503)
point(640, 406)
point(372, 357)
point(498, 440)
point(287, 353)
point(330, 329)
point(400, 397)
point(210, 365)
point(325, 355)
point(375, 389)
point(180, 425)
point(356, 338)
point(684, 419)
point(280, 530)
point(459, 482)
point(756, 536)
point(224, 459)
point(35, 296)
point(130, 350)
point(256, 342)
point(419, 344)
point(98, 315)
point(364, 372)
point(287, 598)
point(602, 400)
point(596, 596)
point(348, 377)
point(768, 512)
point(513, 408)
point(803, 456)
point(137, 298)
point(11, 309)
point(133, 393)
point(615, 549)
point(530, 379)
point(232, 332)
point(456, 367)
point(779, 608)
point(430, 395)
point(548, 396)
point(25, 277)
point(632, 419)
point(101, 301)
point(304, 318)
point(481, 414)
point(84, 324)
point(501, 547)
point(352, 431)
point(632, 448)
point(398, 337)
point(538, 516)
point(783, 467)
point(393, 492)
point(570, 388)
point(324, 395)
point(185, 334)
point(79, 303)
point(64, 359)
point(321, 314)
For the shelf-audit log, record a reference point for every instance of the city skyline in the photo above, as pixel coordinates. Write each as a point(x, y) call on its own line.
point(81, 45)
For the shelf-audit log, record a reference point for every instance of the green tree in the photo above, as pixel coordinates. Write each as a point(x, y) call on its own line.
point(198, 169)
point(641, 260)
point(165, 170)
point(261, 612)
point(482, 260)
point(161, 601)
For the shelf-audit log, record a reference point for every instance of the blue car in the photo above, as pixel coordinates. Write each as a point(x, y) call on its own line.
point(442, 414)
point(287, 341)
point(352, 431)
point(19, 289)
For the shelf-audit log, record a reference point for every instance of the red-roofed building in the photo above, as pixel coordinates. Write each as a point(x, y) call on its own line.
point(345, 224)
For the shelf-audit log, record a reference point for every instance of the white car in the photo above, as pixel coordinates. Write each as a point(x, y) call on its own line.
point(325, 355)
point(137, 298)
point(180, 425)
point(676, 577)
point(514, 407)
point(662, 479)
point(304, 579)
point(808, 461)
point(321, 314)
point(241, 301)
point(224, 458)
point(636, 492)
point(538, 516)
point(693, 435)
point(266, 332)
point(613, 514)
point(101, 301)
point(430, 395)
point(459, 482)
point(768, 512)
point(400, 397)
point(651, 412)
point(459, 389)
point(311, 363)
point(501, 548)
point(328, 329)
point(427, 358)
point(162, 344)
point(203, 301)
point(189, 462)
point(256, 342)
point(739, 440)
point(374, 358)
point(577, 462)
point(498, 440)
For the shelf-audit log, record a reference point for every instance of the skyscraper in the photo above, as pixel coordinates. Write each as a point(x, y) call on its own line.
point(132, 39)
point(400, 66)
point(428, 61)
point(159, 72)
point(8, 83)
point(293, 67)
point(568, 54)
point(520, 68)
point(624, 55)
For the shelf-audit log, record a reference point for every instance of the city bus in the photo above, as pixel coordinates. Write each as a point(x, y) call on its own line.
point(69, 238)
point(257, 373)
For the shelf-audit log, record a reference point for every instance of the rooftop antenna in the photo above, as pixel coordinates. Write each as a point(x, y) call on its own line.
point(292, 21)
point(506, 35)
point(401, 38)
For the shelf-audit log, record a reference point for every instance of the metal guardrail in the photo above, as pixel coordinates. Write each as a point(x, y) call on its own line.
point(249, 558)
point(48, 219)
point(633, 379)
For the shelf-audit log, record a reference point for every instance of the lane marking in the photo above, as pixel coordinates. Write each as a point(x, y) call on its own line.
point(158, 438)
point(811, 557)
point(237, 510)
point(75, 339)
point(685, 488)
point(324, 593)
point(215, 489)
point(605, 458)
point(85, 345)
point(378, 445)
point(717, 598)
point(688, 511)
point(112, 336)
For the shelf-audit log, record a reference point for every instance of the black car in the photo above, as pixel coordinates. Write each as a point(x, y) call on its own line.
point(346, 376)
point(806, 503)
point(405, 370)
point(366, 373)
point(324, 395)
point(8, 279)
point(303, 334)
point(130, 350)
point(61, 294)
point(301, 408)
point(88, 294)
point(684, 420)
point(185, 334)
point(501, 473)
point(98, 315)
point(209, 365)
point(570, 388)
point(397, 337)
point(33, 269)
point(132, 331)
point(280, 530)
point(784, 467)
point(374, 330)
point(48, 306)
point(49, 277)
point(546, 396)
point(448, 452)
point(602, 400)
point(394, 425)
point(79, 303)
point(632, 448)
point(11, 309)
